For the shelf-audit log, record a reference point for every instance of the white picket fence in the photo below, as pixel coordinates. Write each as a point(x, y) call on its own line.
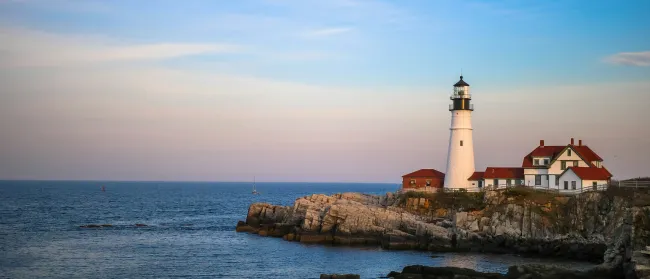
point(633, 184)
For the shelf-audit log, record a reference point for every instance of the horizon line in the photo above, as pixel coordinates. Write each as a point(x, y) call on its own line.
point(188, 181)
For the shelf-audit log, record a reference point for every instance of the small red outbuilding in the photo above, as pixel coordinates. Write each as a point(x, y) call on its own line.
point(423, 178)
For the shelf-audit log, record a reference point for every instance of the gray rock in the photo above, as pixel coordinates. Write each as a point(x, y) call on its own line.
point(590, 226)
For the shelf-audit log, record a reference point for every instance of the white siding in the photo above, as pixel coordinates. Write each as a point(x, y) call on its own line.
point(460, 159)
point(556, 167)
point(587, 184)
point(535, 171)
point(551, 181)
point(503, 182)
point(529, 177)
point(541, 160)
point(570, 176)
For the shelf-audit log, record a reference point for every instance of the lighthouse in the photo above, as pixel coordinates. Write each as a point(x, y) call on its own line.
point(460, 157)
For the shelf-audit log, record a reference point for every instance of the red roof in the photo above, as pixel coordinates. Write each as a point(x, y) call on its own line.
point(587, 153)
point(553, 151)
point(607, 171)
point(591, 173)
point(541, 151)
point(477, 175)
point(515, 173)
point(425, 173)
point(546, 151)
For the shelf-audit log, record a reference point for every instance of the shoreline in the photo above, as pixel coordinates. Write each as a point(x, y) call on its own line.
point(501, 225)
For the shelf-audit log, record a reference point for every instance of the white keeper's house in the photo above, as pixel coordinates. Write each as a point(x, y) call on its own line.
point(565, 168)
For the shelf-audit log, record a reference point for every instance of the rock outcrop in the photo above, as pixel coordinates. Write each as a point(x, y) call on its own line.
point(345, 219)
point(601, 227)
point(514, 272)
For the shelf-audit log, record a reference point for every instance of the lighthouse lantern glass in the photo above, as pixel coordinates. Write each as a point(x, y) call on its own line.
point(461, 92)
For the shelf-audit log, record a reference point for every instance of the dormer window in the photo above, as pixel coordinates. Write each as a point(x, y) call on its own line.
point(568, 152)
point(536, 163)
point(545, 162)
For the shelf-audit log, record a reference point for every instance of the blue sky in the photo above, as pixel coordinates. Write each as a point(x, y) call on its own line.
point(359, 84)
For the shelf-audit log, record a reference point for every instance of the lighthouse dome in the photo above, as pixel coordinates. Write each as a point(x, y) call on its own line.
point(461, 83)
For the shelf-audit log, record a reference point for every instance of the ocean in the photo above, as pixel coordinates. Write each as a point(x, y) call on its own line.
point(190, 233)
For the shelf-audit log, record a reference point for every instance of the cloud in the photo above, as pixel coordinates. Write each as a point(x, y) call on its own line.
point(326, 32)
point(641, 59)
point(25, 47)
point(143, 121)
point(146, 122)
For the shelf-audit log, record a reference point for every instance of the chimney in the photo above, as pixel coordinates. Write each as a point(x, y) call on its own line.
point(541, 143)
point(571, 141)
point(579, 142)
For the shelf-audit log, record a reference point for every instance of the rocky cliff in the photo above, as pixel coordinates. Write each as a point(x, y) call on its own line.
point(604, 227)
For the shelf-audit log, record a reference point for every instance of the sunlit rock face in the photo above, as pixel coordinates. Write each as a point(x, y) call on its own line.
point(592, 226)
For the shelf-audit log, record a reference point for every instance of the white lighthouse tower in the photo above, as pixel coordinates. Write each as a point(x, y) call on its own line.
point(460, 159)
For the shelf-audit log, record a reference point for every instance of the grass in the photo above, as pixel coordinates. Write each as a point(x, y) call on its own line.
point(554, 208)
point(523, 194)
point(637, 197)
point(447, 200)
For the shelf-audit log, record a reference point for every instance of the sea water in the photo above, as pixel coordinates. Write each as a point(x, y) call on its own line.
point(190, 233)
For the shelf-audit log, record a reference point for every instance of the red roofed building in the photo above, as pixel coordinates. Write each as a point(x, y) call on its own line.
point(476, 180)
point(498, 176)
point(581, 178)
point(423, 179)
point(565, 167)
point(503, 176)
point(545, 165)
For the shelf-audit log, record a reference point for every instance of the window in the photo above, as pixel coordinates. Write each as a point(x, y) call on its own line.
point(461, 143)
point(520, 182)
point(412, 181)
point(594, 183)
point(568, 152)
point(575, 163)
point(538, 179)
point(573, 185)
point(557, 180)
point(496, 182)
point(536, 162)
point(428, 182)
point(545, 161)
point(566, 185)
point(508, 182)
point(563, 165)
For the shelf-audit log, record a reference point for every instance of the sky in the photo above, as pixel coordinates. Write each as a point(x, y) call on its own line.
point(313, 91)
